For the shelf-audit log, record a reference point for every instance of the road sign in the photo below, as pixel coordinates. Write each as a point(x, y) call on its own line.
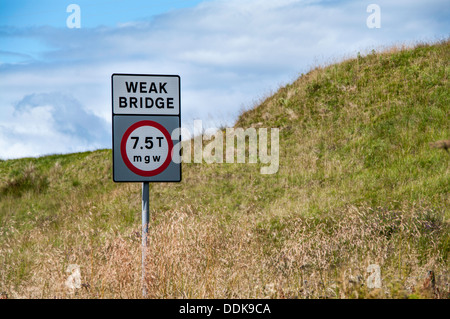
point(145, 124)
point(146, 116)
point(146, 148)
point(146, 94)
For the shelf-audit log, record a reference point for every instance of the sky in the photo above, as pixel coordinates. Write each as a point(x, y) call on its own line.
point(56, 67)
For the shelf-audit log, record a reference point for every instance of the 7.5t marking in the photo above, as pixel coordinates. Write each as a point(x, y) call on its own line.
point(148, 141)
point(146, 148)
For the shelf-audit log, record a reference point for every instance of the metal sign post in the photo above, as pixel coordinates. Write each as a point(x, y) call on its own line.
point(146, 115)
point(145, 221)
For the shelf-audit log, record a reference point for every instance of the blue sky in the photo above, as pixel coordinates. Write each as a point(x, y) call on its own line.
point(55, 94)
point(27, 13)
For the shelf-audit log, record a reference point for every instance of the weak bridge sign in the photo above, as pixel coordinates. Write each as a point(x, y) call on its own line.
point(146, 113)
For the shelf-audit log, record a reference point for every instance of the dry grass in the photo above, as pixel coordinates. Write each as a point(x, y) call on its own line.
point(192, 255)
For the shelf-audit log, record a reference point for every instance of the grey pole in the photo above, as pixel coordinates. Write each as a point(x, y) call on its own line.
point(145, 218)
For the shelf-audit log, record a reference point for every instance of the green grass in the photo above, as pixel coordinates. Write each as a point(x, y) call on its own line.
point(358, 184)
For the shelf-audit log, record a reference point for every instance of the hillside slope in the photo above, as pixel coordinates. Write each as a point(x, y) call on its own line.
point(358, 185)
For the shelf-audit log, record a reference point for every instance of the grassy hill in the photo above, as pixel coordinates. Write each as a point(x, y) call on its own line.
point(359, 194)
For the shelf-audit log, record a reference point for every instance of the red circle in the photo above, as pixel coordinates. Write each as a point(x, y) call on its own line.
point(123, 150)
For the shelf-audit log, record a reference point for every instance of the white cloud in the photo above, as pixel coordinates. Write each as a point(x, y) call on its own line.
point(47, 124)
point(228, 53)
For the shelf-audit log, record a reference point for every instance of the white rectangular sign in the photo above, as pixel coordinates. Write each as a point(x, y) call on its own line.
point(145, 95)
